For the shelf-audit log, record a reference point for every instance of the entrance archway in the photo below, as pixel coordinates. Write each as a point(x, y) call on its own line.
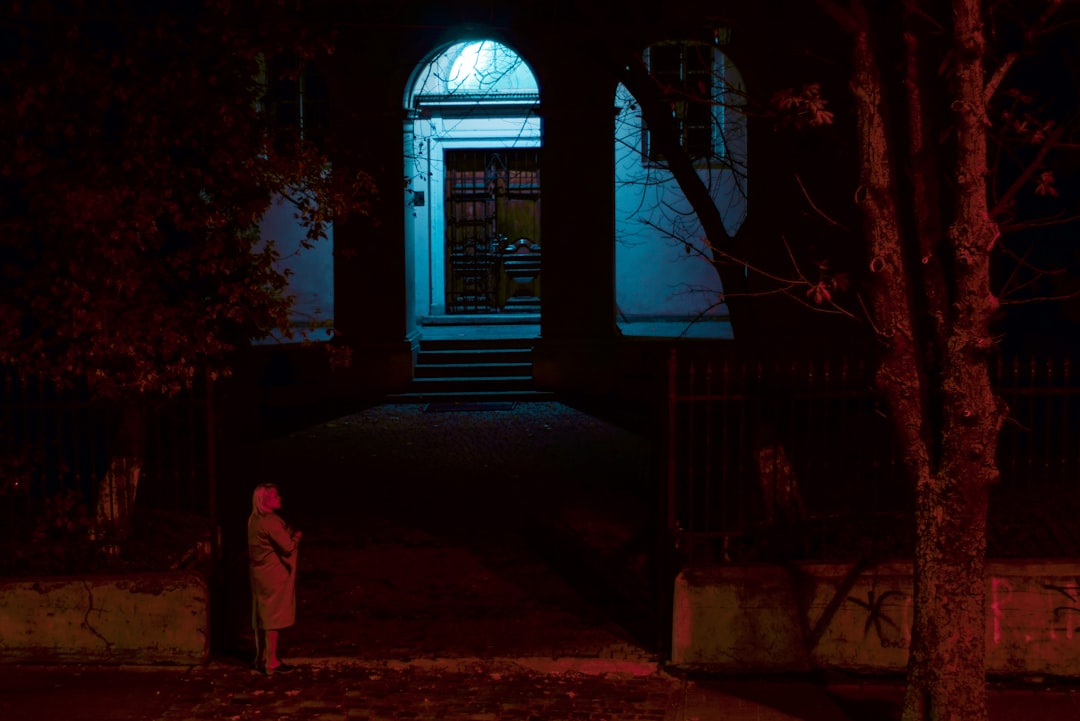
point(473, 177)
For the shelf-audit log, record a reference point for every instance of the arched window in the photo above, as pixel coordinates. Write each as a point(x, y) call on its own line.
point(476, 71)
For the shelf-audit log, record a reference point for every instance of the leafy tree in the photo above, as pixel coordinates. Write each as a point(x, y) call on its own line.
point(954, 156)
point(138, 158)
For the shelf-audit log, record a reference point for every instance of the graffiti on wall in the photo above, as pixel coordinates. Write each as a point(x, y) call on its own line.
point(1039, 610)
point(1066, 617)
point(890, 632)
point(829, 616)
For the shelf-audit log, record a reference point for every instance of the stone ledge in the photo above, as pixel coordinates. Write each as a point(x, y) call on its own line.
point(766, 618)
point(137, 619)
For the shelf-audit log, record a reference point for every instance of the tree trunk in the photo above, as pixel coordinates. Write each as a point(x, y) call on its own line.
point(116, 492)
point(934, 375)
point(947, 665)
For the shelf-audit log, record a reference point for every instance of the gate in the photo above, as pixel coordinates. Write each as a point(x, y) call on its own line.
point(55, 448)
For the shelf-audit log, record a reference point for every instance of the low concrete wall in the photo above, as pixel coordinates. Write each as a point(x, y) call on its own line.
point(152, 618)
point(818, 616)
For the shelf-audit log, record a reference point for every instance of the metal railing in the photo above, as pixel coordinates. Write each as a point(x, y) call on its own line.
point(775, 459)
point(55, 449)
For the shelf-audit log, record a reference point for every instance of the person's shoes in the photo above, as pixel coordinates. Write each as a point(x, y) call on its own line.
point(280, 668)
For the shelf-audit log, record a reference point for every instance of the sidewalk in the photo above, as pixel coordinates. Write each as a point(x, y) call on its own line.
point(458, 689)
point(330, 690)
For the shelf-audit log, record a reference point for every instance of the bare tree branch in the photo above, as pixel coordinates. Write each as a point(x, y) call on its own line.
point(813, 205)
point(1029, 171)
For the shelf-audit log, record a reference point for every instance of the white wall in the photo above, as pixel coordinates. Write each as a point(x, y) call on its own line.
point(312, 279)
point(662, 265)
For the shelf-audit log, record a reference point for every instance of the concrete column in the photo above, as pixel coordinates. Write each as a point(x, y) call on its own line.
point(372, 258)
point(578, 207)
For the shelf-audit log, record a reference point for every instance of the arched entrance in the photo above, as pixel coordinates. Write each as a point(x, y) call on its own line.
point(472, 168)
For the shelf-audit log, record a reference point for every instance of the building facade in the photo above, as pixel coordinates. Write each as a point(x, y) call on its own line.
point(517, 182)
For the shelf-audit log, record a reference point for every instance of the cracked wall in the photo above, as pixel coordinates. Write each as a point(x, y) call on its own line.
point(131, 619)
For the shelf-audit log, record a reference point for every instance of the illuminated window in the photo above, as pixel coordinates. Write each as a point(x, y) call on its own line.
point(692, 78)
point(480, 71)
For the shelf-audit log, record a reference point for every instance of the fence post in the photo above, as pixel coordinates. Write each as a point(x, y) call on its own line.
point(672, 404)
point(666, 566)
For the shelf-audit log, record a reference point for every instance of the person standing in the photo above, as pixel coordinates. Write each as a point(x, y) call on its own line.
point(272, 554)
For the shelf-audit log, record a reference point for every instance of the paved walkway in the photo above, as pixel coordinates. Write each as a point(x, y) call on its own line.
point(331, 690)
point(524, 532)
point(482, 566)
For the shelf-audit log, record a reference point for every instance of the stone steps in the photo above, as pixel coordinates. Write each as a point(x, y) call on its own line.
point(473, 369)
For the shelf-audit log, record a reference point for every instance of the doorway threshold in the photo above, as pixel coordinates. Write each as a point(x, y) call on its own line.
point(482, 319)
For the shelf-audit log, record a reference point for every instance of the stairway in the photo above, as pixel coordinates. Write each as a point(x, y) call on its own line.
point(473, 370)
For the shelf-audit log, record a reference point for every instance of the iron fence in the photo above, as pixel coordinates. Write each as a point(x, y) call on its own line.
point(55, 449)
point(794, 458)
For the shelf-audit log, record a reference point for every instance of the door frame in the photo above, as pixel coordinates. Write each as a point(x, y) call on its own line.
point(492, 131)
point(437, 227)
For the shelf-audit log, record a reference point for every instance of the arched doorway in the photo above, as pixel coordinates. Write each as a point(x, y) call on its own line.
point(472, 168)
